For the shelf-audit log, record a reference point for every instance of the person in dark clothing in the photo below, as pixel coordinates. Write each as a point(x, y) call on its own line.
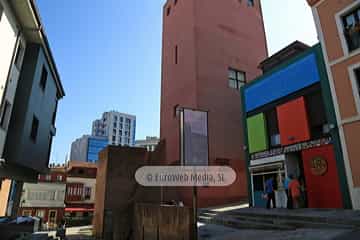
point(269, 189)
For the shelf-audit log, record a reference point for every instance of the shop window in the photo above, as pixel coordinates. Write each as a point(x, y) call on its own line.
point(40, 213)
point(27, 213)
point(258, 182)
point(272, 128)
point(316, 114)
point(351, 25)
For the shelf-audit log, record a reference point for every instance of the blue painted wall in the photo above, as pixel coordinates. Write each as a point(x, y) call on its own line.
point(288, 80)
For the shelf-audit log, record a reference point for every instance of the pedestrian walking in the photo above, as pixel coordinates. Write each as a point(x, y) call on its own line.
point(269, 189)
point(288, 194)
point(294, 189)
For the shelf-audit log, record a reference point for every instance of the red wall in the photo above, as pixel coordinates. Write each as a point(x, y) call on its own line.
point(322, 191)
point(59, 215)
point(211, 36)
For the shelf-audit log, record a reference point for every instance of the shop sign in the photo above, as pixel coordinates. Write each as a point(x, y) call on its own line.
point(291, 148)
point(319, 166)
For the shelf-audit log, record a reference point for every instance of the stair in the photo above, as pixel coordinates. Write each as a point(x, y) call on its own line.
point(266, 220)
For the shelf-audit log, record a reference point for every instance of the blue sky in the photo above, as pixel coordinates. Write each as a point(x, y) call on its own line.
point(109, 58)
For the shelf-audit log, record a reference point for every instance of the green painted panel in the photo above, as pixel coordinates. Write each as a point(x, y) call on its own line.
point(257, 135)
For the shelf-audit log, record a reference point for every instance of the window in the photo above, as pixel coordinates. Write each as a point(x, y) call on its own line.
point(48, 177)
point(351, 23)
point(175, 2)
point(1, 11)
point(236, 78)
point(316, 114)
point(168, 10)
point(121, 119)
point(5, 117)
point(120, 132)
point(43, 79)
point(115, 125)
point(19, 53)
point(54, 113)
point(114, 138)
point(357, 76)
point(59, 178)
point(34, 129)
point(272, 127)
point(27, 213)
point(115, 118)
point(176, 54)
point(87, 193)
point(250, 3)
point(40, 213)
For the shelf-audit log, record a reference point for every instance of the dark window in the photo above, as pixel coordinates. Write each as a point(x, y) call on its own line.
point(34, 129)
point(175, 2)
point(357, 76)
point(1, 11)
point(43, 79)
point(272, 127)
point(258, 182)
point(54, 113)
point(236, 78)
point(114, 138)
point(250, 3)
point(5, 117)
point(50, 145)
point(168, 10)
point(176, 54)
point(351, 22)
point(19, 53)
point(316, 114)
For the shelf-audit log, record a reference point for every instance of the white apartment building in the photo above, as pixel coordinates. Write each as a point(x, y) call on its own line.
point(12, 49)
point(118, 127)
point(149, 143)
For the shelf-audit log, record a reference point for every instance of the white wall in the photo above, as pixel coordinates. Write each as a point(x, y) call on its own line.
point(8, 38)
point(47, 188)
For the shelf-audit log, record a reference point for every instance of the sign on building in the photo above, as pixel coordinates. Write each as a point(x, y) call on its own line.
point(195, 138)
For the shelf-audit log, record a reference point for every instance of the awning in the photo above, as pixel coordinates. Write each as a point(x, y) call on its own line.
point(79, 209)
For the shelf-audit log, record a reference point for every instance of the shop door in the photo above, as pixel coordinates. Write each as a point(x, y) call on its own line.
point(322, 181)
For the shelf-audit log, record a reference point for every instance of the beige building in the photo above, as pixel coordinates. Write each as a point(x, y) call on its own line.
point(338, 27)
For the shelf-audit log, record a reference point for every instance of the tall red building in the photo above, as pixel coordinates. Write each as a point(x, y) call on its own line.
point(210, 49)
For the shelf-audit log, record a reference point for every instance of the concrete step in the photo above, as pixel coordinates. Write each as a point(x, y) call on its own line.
point(242, 224)
point(273, 221)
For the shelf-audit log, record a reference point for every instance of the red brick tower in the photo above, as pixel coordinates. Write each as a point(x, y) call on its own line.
point(202, 41)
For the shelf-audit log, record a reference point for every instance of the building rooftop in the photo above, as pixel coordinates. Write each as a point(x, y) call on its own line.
point(283, 55)
point(31, 25)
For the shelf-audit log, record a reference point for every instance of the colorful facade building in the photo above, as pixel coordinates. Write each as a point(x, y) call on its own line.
point(210, 49)
point(290, 128)
point(45, 199)
point(338, 27)
point(80, 189)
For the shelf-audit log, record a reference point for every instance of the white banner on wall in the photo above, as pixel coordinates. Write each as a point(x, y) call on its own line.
point(195, 142)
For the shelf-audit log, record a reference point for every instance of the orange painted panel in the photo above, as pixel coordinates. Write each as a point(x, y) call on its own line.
point(293, 122)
